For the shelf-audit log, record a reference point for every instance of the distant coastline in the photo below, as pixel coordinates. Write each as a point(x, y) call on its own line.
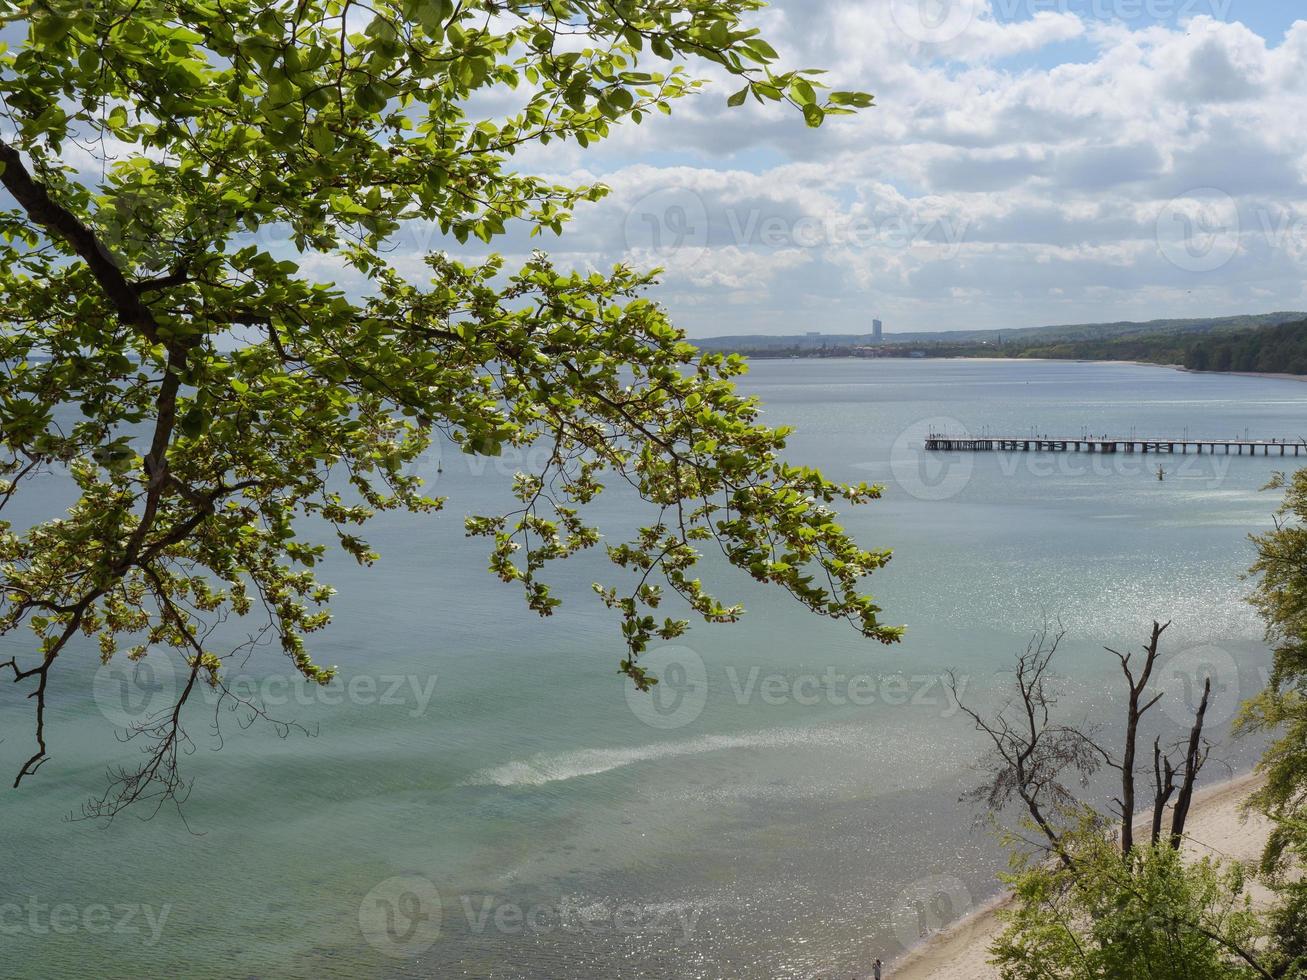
point(1264, 345)
point(1276, 375)
point(998, 358)
point(1273, 375)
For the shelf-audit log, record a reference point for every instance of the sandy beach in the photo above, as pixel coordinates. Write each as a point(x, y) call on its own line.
point(1217, 826)
point(1174, 367)
point(1254, 374)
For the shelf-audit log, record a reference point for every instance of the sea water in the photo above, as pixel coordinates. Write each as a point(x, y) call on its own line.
point(481, 794)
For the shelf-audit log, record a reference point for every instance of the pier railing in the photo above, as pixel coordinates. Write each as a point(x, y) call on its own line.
point(1043, 444)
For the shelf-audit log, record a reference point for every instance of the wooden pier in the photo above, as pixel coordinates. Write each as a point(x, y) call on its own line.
point(1043, 444)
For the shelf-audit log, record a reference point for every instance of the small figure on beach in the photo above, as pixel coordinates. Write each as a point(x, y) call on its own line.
point(1161, 473)
point(875, 969)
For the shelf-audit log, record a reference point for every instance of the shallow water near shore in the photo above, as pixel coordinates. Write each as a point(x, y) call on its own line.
point(786, 805)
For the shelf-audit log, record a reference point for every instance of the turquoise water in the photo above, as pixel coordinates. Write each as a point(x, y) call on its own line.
point(786, 807)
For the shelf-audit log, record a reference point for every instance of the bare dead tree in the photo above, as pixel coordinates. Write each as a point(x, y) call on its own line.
point(1135, 711)
point(1034, 757)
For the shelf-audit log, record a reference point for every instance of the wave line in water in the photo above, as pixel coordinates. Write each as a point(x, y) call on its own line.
point(553, 767)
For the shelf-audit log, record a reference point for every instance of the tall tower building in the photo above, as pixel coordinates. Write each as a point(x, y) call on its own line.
point(877, 331)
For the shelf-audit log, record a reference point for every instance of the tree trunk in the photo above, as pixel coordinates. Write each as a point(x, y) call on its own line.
point(1164, 780)
point(1192, 764)
point(1136, 712)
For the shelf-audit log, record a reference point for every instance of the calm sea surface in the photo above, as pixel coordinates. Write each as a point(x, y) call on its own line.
point(480, 796)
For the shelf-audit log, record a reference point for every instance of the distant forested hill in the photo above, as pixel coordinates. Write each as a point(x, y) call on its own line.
point(1281, 349)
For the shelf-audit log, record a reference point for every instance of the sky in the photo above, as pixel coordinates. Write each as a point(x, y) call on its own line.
point(1029, 162)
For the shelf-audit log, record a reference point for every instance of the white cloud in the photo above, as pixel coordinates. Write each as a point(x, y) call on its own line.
point(1028, 190)
point(1014, 173)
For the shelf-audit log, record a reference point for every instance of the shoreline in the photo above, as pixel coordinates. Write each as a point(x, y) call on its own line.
point(1217, 826)
point(1273, 375)
point(1250, 374)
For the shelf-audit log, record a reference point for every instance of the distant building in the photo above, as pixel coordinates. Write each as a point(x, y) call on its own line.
point(877, 331)
point(814, 333)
